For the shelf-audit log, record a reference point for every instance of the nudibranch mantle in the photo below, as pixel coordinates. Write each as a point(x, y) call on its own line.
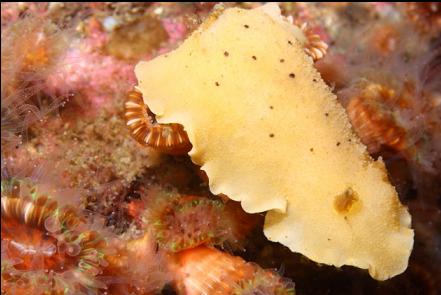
point(269, 133)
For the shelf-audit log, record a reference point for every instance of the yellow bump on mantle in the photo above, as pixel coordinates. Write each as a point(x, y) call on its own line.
point(269, 133)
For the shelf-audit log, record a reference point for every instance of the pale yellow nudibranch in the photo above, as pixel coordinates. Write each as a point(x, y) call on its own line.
point(270, 133)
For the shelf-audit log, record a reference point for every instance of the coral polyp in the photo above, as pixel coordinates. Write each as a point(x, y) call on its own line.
point(426, 16)
point(47, 249)
point(167, 138)
point(371, 115)
point(30, 47)
point(30, 50)
point(183, 222)
point(209, 271)
point(140, 267)
point(314, 46)
point(385, 40)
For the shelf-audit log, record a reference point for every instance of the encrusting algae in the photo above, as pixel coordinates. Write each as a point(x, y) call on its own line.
point(269, 133)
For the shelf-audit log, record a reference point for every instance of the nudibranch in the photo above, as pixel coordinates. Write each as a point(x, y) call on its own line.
point(269, 133)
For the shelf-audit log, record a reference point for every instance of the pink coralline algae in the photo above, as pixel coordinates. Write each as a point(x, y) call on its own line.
point(89, 74)
point(176, 31)
point(97, 38)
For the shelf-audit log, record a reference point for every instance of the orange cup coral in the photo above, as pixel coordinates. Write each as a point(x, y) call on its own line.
point(167, 138)
point(375, 125)
point(46, 248)
point(209, 271)
point(182, 222)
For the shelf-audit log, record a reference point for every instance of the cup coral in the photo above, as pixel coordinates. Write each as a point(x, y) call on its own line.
point(46, 247)
point(180, 222)
point(168, 138)
point(209, 271)
point(377, 128)
point(137, 266)
point(425, 16)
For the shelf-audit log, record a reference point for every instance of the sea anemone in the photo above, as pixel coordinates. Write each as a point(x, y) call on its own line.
point(45, 247)
point(137, 266)
point(385, 39)
point(167, 138)
point(182, 222)
point(31, 48)
point(426, 16)
point(312, 43)
point(315, 47)
point(371, 114)
point(209, 271)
